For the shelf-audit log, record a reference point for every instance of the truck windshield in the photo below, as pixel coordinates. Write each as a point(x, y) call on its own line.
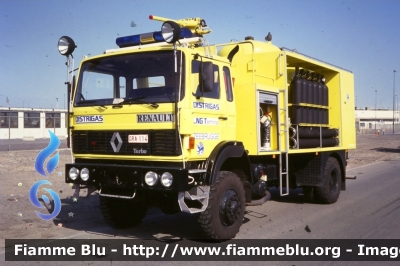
point(149, 77)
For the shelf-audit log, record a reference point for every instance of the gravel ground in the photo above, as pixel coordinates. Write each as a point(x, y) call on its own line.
point(372, 149)
point(17, 173)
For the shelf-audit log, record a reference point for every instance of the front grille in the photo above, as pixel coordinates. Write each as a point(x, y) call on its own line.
point(160, 142)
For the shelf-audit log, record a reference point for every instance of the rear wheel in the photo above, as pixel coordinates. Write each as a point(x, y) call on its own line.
point(329, 192)
point(122, 213)
point(224, 214)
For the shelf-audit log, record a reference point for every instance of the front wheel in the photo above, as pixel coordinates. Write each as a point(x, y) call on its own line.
point(329, 192)
point(224, 214)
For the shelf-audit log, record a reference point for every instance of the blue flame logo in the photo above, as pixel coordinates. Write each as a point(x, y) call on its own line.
point(39, 167)
point(46, 152)
point(36, 203)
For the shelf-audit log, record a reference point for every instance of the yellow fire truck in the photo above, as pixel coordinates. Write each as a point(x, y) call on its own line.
point(169, 120)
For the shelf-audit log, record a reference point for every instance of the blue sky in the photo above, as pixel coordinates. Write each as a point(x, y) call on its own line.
point(362, 36)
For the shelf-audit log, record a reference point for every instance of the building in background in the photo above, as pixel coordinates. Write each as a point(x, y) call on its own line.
point(371, 120)
point(32, 123)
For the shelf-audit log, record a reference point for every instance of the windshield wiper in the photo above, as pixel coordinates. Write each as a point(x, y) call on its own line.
point(87, 101)
point(93, 101)
point(138, 100)
point(133, 100)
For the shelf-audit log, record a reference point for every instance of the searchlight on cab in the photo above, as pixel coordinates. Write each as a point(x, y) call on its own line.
point(171, 32)
point(66, 45)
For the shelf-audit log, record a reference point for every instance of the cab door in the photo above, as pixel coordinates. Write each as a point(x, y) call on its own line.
point(209, 111)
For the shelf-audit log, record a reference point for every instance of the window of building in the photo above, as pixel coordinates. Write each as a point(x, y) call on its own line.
point(8, 119)
point(362, 124)
point(32, 120)
point(370, 125)
point(52, 120)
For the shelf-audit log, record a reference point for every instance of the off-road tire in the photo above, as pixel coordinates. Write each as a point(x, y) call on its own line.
point(121, 213)
point(224, 214)
point(330, 191)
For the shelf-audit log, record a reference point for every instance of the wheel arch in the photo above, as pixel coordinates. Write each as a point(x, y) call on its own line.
point(228, 156)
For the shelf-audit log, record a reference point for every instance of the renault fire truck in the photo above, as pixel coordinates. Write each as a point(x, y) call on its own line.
point(170, 121)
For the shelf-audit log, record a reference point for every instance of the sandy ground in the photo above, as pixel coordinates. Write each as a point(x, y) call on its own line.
point(372, 149)
point(17, 173)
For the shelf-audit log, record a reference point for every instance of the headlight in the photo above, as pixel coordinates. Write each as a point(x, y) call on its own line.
point(73, 173)
point(151, 178)
point(66, 45)
point(85, 174)
point(166, 179)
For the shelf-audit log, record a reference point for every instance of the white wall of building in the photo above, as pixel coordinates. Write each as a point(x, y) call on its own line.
point(30, 133)
point(371, 120)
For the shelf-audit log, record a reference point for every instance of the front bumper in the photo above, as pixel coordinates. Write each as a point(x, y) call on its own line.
point(127, 177)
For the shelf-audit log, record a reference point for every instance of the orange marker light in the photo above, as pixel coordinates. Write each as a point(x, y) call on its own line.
point(191, 143)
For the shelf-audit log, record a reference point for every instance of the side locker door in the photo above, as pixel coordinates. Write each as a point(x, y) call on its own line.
point(209, 113)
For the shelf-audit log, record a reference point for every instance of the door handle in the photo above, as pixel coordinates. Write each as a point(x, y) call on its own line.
point(223, 117)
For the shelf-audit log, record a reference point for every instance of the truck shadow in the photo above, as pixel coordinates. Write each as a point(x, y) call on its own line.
point(85, 216)
point(391, 150)
point(295, 196)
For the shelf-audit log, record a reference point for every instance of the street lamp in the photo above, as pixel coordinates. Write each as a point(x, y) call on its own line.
point(356, 102)
point(394, 92)
point(396, 109)
point(376, 95)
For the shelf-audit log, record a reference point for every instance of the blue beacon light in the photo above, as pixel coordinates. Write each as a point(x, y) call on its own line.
point(146, 38)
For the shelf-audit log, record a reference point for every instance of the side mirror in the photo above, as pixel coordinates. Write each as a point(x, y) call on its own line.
point(206, 77)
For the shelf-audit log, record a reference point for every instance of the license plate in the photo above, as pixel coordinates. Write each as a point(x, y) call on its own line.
point(138, 138)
